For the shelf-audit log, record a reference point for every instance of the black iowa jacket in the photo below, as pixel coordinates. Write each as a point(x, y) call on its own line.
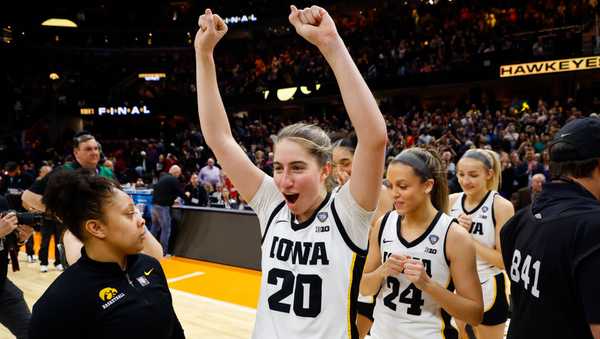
point(99, 300)
point(551, 252)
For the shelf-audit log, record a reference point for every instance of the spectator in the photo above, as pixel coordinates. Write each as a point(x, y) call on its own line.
point(13, 181)
point(195, 193)
point(227, 201)
point(166, 190)
point(538, 47)
point(109, 164)
point(211, 174)
point(527, 195)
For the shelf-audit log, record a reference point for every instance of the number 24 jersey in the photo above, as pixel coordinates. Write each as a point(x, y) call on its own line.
point(402, 310)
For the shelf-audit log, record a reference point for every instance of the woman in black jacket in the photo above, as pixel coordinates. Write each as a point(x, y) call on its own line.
point(112, 291)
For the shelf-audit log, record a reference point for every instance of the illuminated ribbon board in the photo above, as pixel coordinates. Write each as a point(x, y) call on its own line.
point(116, 111)
point(152, 76)
point(550, 66)
point(240, 19)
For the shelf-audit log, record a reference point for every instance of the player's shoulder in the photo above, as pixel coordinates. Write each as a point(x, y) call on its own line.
point(458, 242)
point(453, 197)
point(501, 204)
point(380, 223)
point(500, 200)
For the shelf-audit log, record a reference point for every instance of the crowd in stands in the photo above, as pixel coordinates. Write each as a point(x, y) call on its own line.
point(518, 133)
point(391, 41)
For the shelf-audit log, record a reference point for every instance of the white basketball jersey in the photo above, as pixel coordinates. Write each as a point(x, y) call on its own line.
point(483, 229)
point(311, 274)
point(402, 310)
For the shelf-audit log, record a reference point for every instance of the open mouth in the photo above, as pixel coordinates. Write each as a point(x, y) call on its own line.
point(291, 198)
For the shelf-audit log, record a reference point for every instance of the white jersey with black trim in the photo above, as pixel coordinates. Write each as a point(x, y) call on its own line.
point(402, 310)
point(311, 270)
point(483, 229)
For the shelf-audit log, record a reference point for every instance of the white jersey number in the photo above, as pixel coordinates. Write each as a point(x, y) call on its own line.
point(522, 275)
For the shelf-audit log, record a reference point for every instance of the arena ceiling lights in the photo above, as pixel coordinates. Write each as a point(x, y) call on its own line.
point(57, 22)
point(287, 93)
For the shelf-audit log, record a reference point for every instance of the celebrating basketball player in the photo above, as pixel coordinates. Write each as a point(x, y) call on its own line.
point(418, 255)
point(483, 212)
point(314, 242)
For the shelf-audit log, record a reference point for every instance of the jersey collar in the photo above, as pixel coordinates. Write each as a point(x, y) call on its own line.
point(302, 225)
point(106, 267)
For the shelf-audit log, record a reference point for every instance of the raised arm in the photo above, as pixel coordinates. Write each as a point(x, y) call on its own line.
point(316, 26)
point(213, 119)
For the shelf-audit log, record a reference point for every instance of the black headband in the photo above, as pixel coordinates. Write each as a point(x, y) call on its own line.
point(415, 161)
point(479, 156)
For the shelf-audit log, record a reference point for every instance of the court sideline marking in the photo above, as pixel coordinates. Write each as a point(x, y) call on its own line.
point(185, 276)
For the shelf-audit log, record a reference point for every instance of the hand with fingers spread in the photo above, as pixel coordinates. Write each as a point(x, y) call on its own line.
point(415, 272)
point(315, 25)
point(394, 265)
point(211, 29)
point(465, 221)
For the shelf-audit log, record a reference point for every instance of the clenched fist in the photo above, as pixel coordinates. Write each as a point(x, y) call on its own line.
point(315, 25)
point(211, 29)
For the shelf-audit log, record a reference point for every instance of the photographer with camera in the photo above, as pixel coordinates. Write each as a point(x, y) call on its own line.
point(14, 313)
point(12, 186)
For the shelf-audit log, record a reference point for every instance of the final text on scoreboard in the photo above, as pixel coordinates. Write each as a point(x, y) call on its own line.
point(116, 110)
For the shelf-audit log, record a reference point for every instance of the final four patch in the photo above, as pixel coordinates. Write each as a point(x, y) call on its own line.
point(322, 216)
point(433, 239)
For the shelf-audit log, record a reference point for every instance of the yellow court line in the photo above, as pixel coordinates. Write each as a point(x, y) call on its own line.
point(225, 283)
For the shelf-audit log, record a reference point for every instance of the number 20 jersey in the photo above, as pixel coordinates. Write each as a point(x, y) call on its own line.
point(311, 275)
point(402, 310)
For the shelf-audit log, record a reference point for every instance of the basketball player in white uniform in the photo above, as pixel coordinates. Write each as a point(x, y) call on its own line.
point(483, 212)
point(418, 255)
point(342, 156)
point(314, 242)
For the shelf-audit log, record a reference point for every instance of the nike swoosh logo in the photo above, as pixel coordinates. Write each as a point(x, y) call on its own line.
point(565, 135)
point(278, 221)
point(148, 273)
point(386, 241)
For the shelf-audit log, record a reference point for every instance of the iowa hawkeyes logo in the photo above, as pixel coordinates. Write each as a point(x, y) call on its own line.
point(107, 293)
